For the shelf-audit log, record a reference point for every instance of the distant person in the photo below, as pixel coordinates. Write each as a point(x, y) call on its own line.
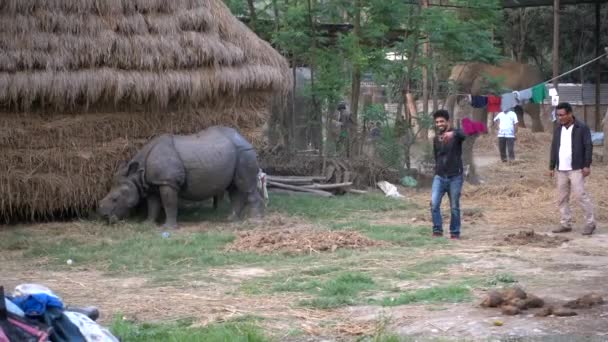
point(345, 122)
point(571, 155)
point(447, 149)
point(507, 131)
point(375, 132)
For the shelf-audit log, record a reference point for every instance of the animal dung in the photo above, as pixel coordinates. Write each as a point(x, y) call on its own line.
point(511, 301)
point(514, 300)
point(585, 301)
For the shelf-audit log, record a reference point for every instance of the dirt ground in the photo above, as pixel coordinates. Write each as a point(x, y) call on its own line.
point(507, 222)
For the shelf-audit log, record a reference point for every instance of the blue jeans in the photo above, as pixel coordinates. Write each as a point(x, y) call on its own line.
point(453, 187)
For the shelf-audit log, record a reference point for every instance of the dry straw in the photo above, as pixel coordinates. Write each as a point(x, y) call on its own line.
point(84, 83)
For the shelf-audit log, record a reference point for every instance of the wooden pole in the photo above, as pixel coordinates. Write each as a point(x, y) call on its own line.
point(555, 42)
point(598, 67)
point(425, 69)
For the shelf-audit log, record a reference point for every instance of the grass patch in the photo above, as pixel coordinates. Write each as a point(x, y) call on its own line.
point(504, 278)
point(14, 240)
point(403, 235)
point(141, 249)
point(425, 268)
point(340, 291)
point(454, 293)
point(182, 332)
point(346, 206)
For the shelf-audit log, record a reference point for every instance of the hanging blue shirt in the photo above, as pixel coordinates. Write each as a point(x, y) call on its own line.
point(479, 101)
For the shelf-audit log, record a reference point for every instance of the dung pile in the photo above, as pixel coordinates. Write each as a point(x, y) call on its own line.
point(531, 238)
point(514, 300)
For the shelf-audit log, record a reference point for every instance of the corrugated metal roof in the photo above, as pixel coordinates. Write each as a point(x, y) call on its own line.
point(580, 94)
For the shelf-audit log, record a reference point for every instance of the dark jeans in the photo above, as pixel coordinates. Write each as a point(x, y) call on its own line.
point(452, 186)
point(506, 145)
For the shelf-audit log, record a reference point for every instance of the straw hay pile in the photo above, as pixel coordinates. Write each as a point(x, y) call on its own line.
point(521, 194)
point(84, 83)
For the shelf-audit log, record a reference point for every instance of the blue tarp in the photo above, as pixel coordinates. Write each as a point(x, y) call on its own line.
point(597, 138)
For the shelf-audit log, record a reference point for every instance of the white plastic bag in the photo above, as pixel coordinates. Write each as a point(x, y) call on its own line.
point(389, 189)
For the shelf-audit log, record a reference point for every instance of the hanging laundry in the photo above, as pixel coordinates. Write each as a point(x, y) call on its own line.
point(507, 101)
point(523, 96)
point(552, 92)
point(493, 104)
point(553, 115)
point(479, 101)
point(554, 97)
point(539, 93)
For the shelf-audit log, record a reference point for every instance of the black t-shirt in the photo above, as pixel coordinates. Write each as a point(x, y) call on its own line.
point(448, 156)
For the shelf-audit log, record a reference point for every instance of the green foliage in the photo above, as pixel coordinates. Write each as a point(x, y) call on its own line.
point(183, 332)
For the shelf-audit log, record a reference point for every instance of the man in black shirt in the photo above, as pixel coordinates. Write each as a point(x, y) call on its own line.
point(447, 148)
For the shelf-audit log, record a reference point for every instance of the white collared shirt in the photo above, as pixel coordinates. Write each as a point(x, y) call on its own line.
point(565, 149)
point(506, 124)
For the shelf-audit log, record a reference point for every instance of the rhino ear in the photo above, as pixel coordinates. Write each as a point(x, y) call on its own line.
point(121, 170)
point(132, 168)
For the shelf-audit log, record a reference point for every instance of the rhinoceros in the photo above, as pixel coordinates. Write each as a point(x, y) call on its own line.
point(192, 167)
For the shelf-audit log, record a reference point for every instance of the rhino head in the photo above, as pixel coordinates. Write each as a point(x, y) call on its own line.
point(124, 194)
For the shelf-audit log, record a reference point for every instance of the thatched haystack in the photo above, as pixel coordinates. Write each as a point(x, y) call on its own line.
point(83, 83)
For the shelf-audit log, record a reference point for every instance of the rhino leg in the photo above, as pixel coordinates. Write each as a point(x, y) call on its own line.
point(236, 201)
point(153, 208)
point(168, 196)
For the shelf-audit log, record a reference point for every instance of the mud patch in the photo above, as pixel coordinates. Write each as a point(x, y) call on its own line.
point(297, 241)
point(530, 238)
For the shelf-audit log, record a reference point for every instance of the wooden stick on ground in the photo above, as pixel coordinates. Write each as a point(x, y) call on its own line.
point(299, 188)
point(356, 191)
point(328, 186)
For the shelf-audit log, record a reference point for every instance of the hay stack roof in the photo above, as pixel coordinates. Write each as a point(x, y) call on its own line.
point(66, 53)
point(84, 83)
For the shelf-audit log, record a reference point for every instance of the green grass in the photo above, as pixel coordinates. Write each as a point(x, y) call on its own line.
point(137, 248)
point(433, 266)
point(347, 206)
point(451, 293)
point(340, 291)
point(403, 235)
point(182, 332)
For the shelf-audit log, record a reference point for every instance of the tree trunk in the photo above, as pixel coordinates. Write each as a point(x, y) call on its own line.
point(252, 15)
point(605, 151)
point(315, 121)
point(435, 83)
point(356, 86)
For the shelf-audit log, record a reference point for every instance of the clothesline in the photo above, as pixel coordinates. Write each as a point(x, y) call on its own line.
point(565, 73)
point(535, 94)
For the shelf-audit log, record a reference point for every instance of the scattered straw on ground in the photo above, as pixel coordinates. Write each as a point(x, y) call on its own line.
point(530, 238)
point(294, 241)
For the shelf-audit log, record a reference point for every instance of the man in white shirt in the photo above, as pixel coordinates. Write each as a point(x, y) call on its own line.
point(571, 155)
point(507, 130)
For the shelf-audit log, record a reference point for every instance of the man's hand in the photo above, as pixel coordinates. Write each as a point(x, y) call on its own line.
point(551, 173)
point(447, 136)
point(586, 171)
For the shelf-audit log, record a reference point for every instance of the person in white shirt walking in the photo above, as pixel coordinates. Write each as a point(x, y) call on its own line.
point(571, 155)
point(507, 130)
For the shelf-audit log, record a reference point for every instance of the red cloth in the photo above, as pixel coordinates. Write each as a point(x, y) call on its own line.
point(470, 127)
point(494, 104)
